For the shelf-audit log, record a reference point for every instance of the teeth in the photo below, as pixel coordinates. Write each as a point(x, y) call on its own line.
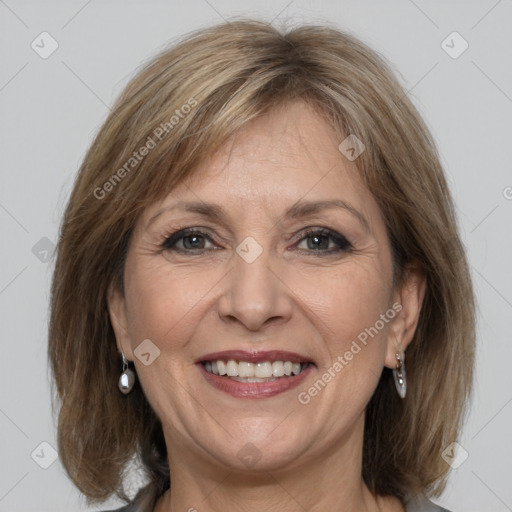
point(245, 371)
point(221, 368)
point(231, 368)
point(262, 370)
point(253, 379)
point(277, 368)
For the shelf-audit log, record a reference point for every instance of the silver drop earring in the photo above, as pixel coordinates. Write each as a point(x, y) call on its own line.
point(127, 379)
point(399, 375)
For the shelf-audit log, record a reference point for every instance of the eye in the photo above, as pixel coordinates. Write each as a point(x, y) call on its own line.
point(187, 240)
point(322, 240)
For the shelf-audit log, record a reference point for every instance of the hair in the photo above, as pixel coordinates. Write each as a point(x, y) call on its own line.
point(181, 106)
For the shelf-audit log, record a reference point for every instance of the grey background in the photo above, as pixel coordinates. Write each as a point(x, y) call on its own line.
point(50, 109)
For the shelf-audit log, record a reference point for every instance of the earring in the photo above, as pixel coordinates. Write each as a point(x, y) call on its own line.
point(127, 379)
point(399, 375)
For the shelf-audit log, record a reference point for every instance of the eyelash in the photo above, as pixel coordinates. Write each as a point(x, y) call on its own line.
point(170, 241)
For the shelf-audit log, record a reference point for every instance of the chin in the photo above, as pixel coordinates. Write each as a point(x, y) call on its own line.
point(254, 451)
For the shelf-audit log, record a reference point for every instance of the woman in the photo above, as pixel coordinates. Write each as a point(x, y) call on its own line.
point(259, 243)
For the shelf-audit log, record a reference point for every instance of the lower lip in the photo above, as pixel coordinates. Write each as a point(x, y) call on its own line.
point(254, 389)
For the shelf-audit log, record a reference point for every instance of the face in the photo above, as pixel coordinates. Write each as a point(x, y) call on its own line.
point(268, 277)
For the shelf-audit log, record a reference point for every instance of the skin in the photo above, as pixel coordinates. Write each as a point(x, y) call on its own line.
point(292, 297)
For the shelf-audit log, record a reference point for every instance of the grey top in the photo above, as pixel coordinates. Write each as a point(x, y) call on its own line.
point(145, 502)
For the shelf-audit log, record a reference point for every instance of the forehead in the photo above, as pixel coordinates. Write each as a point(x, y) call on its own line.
point(289, 154)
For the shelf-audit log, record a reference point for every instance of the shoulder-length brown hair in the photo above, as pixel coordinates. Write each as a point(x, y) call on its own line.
point(181, 106)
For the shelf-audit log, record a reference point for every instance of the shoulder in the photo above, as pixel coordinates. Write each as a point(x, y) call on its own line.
point(144, 501)
point(423, 505)
point(131, 507)
point(127, 508)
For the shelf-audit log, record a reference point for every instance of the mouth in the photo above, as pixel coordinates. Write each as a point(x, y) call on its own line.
point(254, 374)
point(245, 371)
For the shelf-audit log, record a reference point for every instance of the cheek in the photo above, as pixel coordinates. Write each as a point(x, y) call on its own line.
point(352, 309)
point(163, 308)
point(348, 305)
point(161, 301)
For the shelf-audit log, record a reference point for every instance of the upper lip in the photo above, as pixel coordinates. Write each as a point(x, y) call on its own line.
point(255, 356)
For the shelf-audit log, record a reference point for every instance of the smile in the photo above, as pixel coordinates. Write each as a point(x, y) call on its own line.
point(245, 371)
point(243, 379)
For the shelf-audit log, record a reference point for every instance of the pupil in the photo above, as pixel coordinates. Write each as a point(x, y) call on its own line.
point(320, 239)
point(193, 245)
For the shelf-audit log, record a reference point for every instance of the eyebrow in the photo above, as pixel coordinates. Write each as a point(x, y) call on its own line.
point(299, 210)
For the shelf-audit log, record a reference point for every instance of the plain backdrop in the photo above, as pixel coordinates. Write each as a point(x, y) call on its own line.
point(51, 107)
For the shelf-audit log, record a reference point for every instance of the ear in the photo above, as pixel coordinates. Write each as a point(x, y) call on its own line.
point(410, 296)
point(119, 319)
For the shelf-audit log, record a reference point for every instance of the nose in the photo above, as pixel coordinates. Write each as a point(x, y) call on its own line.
point(254, 295)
